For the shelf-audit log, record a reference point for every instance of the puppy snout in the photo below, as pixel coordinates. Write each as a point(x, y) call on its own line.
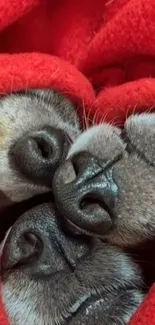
point(38, 154)
point(37, 245)
point(85, 193)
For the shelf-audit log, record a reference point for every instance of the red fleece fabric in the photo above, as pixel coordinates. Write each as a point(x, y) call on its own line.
point(99, 53)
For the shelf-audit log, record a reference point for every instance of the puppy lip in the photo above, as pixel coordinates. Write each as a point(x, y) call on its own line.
point(88, 300)
point(79, 302)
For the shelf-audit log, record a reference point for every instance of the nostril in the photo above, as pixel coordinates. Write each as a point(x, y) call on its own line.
point(93, 202)
point(44, 148)
point(98, 213)
point(30, 247)
point(38, 155)
point(31, 243)
point(24, 252)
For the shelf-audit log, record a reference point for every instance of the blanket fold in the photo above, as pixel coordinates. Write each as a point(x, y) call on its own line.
point(99, 53)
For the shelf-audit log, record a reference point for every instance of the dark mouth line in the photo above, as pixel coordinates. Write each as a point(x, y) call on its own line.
point(87, 302)
point(94, 297)
point(131, 148)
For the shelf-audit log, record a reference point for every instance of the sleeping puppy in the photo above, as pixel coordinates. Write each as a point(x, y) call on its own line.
point(50, 277)
point(36, 128)
point(110, 182)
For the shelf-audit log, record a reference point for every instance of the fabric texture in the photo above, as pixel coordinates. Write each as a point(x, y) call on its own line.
point(99, 53)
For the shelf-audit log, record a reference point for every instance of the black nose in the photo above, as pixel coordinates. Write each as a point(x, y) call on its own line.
point(85, 194)
point(37, 244)
point(38, 154)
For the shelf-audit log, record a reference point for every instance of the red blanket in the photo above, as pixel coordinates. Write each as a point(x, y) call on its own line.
point(100, 53)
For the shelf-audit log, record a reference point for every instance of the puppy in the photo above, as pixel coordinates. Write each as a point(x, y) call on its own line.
point(111, 182)
point(50, 277)
point(36, 128)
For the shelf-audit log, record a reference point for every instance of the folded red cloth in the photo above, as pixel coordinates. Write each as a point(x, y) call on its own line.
point(100, 53)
